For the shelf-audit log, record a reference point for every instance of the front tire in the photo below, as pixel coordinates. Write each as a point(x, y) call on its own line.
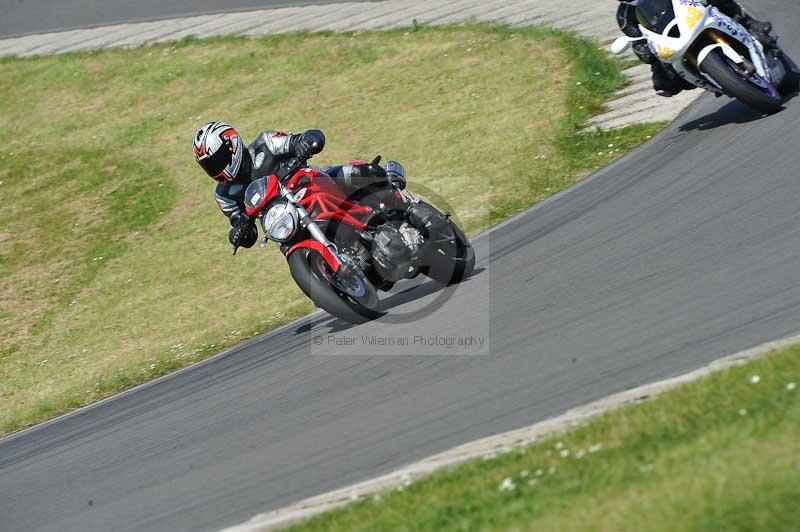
point(308, 270)
point(718, 68)
point(791, 84)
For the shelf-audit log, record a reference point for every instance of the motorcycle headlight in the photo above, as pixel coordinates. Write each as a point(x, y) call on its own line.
point(280, 222)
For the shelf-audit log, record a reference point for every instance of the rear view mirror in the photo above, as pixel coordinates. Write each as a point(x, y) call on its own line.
point(620, 46)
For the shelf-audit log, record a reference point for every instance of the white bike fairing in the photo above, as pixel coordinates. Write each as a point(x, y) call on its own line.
point(692, 19)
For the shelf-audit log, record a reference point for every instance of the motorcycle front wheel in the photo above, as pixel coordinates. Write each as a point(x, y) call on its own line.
point(351, 298)
point(716, 65)
point(791, 84)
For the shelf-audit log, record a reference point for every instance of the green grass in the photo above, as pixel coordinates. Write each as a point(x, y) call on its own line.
point(718, 454)
point(114, 262)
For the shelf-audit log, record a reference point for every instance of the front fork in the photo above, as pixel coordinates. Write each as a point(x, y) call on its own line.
point(331, 254)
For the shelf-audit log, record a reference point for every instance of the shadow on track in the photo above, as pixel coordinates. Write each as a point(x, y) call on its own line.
point(395, 299)
point(733, 112)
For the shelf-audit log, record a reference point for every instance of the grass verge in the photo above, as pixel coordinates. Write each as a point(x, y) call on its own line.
point(114, 263)
point(717, 454)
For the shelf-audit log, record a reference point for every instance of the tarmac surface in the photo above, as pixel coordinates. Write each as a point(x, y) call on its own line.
point(686, 250)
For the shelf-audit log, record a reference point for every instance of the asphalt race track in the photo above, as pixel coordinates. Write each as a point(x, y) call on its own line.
point(22, 17)
point(685, 251)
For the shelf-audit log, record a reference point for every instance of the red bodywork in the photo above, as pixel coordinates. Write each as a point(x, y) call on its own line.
point(324, 200)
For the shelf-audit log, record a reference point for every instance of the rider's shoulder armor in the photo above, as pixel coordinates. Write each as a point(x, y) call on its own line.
point(277, 142)
point(267, 150)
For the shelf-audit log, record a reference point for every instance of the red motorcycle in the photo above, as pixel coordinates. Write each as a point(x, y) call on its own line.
point(342, 250)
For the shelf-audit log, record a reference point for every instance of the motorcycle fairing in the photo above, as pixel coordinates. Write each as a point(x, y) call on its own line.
point(326, 201)
point(692, 19)
point(259, 193)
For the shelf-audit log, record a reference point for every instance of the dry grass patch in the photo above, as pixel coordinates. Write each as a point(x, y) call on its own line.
point(101, 192)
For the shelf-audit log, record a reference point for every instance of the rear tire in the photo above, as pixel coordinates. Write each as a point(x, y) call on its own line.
point(303, 266)
point(716, 66)
point(449, 266)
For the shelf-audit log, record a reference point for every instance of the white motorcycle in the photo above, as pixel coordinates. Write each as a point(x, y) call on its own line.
point(714, 52)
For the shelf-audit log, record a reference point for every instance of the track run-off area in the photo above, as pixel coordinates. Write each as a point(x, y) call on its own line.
point(682, 252)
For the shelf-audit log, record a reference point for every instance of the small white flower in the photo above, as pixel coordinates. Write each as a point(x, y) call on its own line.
point(579, 83)
point(742, 412)
point(552, 470)
point(507, 485)
point(564, 453)
point(755, 379)
point(610, 145)
point(524, 473)
point(539, 472)
point(791, 386)
point(532, 482)
point(596, 447)
point(580, 454)
point(559, 446)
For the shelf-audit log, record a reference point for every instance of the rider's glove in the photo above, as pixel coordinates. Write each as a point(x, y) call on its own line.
point(309, 143)
point(243, 233)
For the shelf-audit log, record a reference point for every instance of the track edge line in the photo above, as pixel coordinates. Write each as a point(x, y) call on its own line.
point(499, 443)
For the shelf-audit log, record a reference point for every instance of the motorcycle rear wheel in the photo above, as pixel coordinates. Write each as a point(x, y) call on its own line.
point(315, 279)
point(450, 264)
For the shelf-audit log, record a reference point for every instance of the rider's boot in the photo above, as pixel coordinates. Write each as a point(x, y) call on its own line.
point(663, 83)
point(760, 30)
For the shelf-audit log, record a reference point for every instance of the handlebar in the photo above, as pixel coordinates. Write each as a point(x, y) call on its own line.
point(291, 168)
point(297, 162)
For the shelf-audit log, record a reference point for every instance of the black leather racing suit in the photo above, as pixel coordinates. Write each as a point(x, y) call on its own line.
point(264, 157)
point(270, 152)
point(665, 80)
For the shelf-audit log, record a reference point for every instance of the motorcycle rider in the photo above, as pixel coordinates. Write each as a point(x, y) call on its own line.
point(220, 151)
point(666, 81)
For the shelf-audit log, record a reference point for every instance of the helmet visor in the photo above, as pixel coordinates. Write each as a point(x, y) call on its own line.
point(217, 162)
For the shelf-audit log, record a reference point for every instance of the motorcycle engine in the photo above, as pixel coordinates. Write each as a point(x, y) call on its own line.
point(359, 253)
point(394, 250)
